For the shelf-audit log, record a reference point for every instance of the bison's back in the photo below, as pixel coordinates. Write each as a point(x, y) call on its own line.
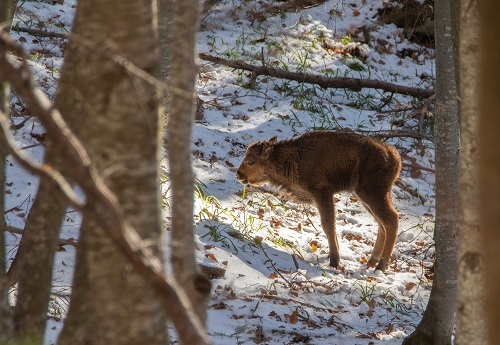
point(343, 161)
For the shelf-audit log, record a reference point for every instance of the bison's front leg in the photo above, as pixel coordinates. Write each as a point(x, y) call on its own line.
point(326, 207)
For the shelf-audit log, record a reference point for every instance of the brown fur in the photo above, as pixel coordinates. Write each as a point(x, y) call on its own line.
point(315, 166)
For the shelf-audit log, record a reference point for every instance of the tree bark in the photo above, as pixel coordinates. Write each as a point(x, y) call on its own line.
point(438, 319)
point(180, 122)
point(489, 157)
point(470, 305)
point(115, 115)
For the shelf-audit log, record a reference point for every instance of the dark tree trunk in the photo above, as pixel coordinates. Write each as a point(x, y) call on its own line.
point(489, 157)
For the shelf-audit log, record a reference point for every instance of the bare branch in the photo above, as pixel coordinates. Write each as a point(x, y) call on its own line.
point(289, 6)
point(40, 33)
point(100, 199)
point(18, 231)
point(393, 134)
point(325, 82)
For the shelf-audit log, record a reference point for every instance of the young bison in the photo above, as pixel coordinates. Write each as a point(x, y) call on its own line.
point(315, 166)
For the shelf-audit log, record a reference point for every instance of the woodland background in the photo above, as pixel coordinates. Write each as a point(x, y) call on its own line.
point(119, 149)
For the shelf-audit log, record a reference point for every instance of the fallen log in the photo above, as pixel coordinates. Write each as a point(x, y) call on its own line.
point(324, 82)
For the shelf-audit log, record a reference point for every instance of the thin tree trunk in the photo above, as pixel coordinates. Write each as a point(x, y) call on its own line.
point(6, 324)
point(33, 262)
point(470, 309)
point(180, 122)
point(489, 158)
point(115, 115)
point(35, 258)
point(438, 319)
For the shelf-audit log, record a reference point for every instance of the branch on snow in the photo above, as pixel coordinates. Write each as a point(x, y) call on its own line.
point(325, 82)
point(99, 198)
point(61, 242)
point(289, 6)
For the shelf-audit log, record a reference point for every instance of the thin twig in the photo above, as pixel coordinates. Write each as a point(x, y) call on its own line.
point(274, 266)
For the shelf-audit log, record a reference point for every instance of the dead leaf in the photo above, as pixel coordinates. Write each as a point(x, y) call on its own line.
point(410, 286)
point(314, 246)
point(258, 240)
point(389, 329)
point(294, 318)
point(372, 303)
point(211, 257)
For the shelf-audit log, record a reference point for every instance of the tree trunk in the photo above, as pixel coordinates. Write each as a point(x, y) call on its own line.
point(470, 309)
point(35, 258)
point(6, 325)
point(33, 262)
point(180, 123)
point(114, 112)
point(489, 158)
point(437, 322)
point(166, 11)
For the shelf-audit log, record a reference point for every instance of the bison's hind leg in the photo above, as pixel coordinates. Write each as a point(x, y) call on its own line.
point(380, 207)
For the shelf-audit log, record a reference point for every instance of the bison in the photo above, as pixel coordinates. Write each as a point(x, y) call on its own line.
point(316, 165)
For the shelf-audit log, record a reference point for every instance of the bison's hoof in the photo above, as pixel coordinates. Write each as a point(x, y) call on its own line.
point(372, 263)
point(334, 262)
point(382, 265)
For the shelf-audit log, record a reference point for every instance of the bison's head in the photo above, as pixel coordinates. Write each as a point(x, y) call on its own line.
point(255, 166)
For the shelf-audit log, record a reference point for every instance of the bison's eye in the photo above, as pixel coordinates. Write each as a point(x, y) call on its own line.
point(249, 162)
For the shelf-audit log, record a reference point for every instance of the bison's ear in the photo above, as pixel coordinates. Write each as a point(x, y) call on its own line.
point(267, 150)
point(273, 140)
point(269, 147)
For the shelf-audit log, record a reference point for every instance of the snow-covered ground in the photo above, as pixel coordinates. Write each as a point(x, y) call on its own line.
point(278, 288)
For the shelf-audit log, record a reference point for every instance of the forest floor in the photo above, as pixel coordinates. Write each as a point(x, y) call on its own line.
point(277, 287)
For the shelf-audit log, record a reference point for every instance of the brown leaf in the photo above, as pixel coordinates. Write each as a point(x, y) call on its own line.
point(314, 245)
point(211, 257)
point(372, 303)
point(410, 286)
point(389, 329)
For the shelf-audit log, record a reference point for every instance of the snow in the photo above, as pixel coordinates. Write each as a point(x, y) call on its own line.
point(277, 288)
